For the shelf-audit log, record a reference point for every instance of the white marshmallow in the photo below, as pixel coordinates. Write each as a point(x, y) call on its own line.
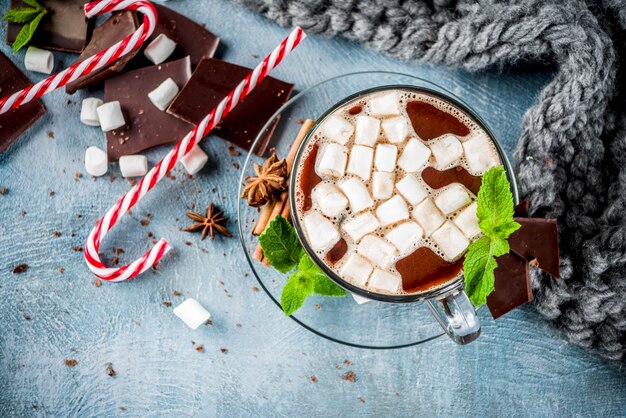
point(329, 199)
point(194, 160)
point(110, 116)
point(446, 150)
point(333, 161)
point(428, 216)
point(133, 165)
point(360, 226)
point(360, 163)
point(321, 232)
point(385, 281)
point(382, 184)
point(337, 129)
point(450, 241)
point(414, 157)
point(385, 104)
point(396, 129)
point(163, 95)
point(96, 162)
point(385, 159)
point(357, 194)
point(405, 235)
point(452, 198)
point(467, 221)
point(360, 299)
point(39, 60)
point(367, 130)
point(376, 250)
point(479, 154)
point(192, 313)
point(160, 49)
point(356, 270)
point(88, 111)
point(392, 211)
point(411, 189)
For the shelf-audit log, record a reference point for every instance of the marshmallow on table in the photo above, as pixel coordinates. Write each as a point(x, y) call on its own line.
point(321, 232)
point(356, 270)
point(160, 49)
point(405, 235)
point(163, 95)
point(385, 159)
point(450, 241)
point(396, 129)
point(360, 226)
point(110, 116)
point(133, 165)
point(386, 104)
point(411, 189)
point(96, 162)
point(337, 129)
point(452, 198)
point(330, 201)
point(385, 281)
point(333, 160)
point(376, 250)
point(89, 111)
point(414, 157)
point(194, 160)
point(428, 216)
point(192, 313)
point(360, 299)
point(446, 150)
point(467, 221)
point(382, 184)
point(39, 60)
point(360, 162)
point(479, 154)
point(367, 130)
point(357, 194)
point(392, 211)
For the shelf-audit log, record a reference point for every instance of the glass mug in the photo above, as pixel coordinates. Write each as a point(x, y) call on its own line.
point(448, 303)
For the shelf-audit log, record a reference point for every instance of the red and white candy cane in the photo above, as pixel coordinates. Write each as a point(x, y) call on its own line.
point(160, 170)
point(100, 60)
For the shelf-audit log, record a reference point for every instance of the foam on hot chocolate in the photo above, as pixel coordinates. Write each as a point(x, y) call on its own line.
point(372, 196)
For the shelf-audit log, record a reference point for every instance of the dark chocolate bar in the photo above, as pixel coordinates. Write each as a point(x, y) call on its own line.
point(512, 285)
point(118, 26)
point(15, 122)
point(147, 126)
point(537, 241)
point(63, 28)
point(211, 82)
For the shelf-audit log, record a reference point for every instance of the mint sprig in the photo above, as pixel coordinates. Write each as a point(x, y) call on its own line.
point(283, 250)
point(30, 18)
point(495, 216)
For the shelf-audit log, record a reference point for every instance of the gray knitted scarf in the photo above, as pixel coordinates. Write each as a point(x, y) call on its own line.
point(572, 151)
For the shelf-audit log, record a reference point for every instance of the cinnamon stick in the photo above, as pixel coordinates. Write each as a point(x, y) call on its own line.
point(264, 217)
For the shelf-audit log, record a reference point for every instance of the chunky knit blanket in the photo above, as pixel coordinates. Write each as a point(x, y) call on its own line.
point(571, 155)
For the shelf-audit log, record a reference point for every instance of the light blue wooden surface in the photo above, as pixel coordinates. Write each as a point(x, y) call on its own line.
point(519, 366)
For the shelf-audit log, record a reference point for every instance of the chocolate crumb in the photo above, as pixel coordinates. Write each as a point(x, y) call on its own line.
point(224, 350)
point(255, 289)
point(122, 408)
point(77, 248)
point(71, 363)
point(349, 376)
point(233, 151)
point(167, 303)
point(317, 306)
point(209, 322)
point(313, 379)
point(200, 348)
point(115, 261)
point(144, 222)
point(20, 268)
point(534, 262)
point(236, 166)
point(61, 270)
point(3, 190)
point(52, 193)
point(175, 293)
point(188, 243)
point(50, 134)
point(111, 178)
point(299, 121)
point(118, 251)
point(56, 234)
point(361, 399)
point(110, 371)
point(97, 283)
point(27, 318)
point(77, 176)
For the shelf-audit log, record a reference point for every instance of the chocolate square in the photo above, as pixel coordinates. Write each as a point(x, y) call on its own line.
point(118, 26)
point(512, 285)
point(15, 122)
point(147, 126)
point(537, 241)
point(211, 82)
point(63, 28)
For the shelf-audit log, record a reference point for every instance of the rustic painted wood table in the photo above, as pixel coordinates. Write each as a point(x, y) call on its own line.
point(255, 361)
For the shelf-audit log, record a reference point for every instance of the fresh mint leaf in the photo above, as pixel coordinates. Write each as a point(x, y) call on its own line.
point(326, 287)
point(478, 268)
point(21, 15)
point(295, 291)
point(280, 245)
point(27, 32)
point(34, 4)
point(495, 205)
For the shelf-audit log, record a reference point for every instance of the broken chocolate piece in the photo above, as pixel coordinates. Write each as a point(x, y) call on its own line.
point(146, 126)
point(211, 82)
point(63, 28)
point(110, 32)
point(538, 238)
point(512, 285)
point(15, 122)
point(521, 209)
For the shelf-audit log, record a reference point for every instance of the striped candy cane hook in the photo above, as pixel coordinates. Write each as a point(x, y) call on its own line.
point(100, 60)
point(164, 166)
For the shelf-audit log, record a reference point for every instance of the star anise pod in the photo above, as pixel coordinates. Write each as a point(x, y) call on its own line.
point(270, 180)
point(210, 222)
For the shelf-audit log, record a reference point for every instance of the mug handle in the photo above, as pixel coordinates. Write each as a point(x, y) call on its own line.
point(456, 315)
